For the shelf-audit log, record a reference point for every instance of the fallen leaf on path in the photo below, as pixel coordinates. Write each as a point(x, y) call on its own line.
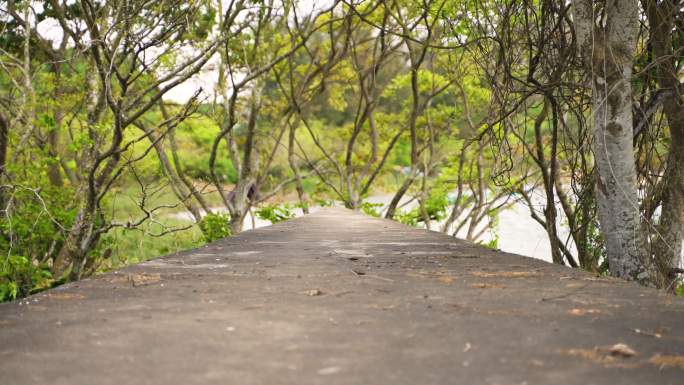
point(622, 350)
point(329, 370)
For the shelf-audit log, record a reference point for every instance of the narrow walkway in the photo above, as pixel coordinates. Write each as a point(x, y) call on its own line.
point(340, 298)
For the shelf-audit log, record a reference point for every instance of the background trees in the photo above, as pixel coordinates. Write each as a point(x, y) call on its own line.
point(438, 114)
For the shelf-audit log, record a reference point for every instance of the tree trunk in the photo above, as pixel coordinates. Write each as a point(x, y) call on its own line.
point(71, 254)
point(54, 174)
point(178, 187)
point(667, 242)
point(4, 144)
point(237, 221)
point(608, 49)
point(295, 168)
point(392, 208)
point(178, 167)
point(240, 200)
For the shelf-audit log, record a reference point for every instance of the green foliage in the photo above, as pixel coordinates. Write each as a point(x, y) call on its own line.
point(36, 220)
point(372, 209)
point(493, 230)
point(407, 217)
point(679, 289)
point(31, 231)
point(402, 154)
point(324, 202)
point(435, 205)
point(197, 166)
point(333, 109)
point(401, 84)
point(276, 213)
point(194, 137)
point(215, 226)
point(19, 277)
point(492, 244)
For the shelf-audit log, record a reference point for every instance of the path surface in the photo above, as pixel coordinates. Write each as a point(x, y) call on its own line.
point(339, 298)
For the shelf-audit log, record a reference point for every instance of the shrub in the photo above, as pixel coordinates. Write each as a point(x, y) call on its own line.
point(215, 226)
point(372, 209)
point(32, 231)
point(276, 213)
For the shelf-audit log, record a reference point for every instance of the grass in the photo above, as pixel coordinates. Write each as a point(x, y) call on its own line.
point(137, 245)
point(163, 233)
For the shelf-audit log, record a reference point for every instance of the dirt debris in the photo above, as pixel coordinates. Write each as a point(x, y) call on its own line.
point(618, 355)
point(446, 279)
point(581, 311)
point(656, 334)
point(664, 361)
point(482, 285)
point(144, 279)
point(505, 274)
point(313, 292)
point(65, 296)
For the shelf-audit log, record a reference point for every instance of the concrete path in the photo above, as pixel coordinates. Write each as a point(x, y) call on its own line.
point(339, 298)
